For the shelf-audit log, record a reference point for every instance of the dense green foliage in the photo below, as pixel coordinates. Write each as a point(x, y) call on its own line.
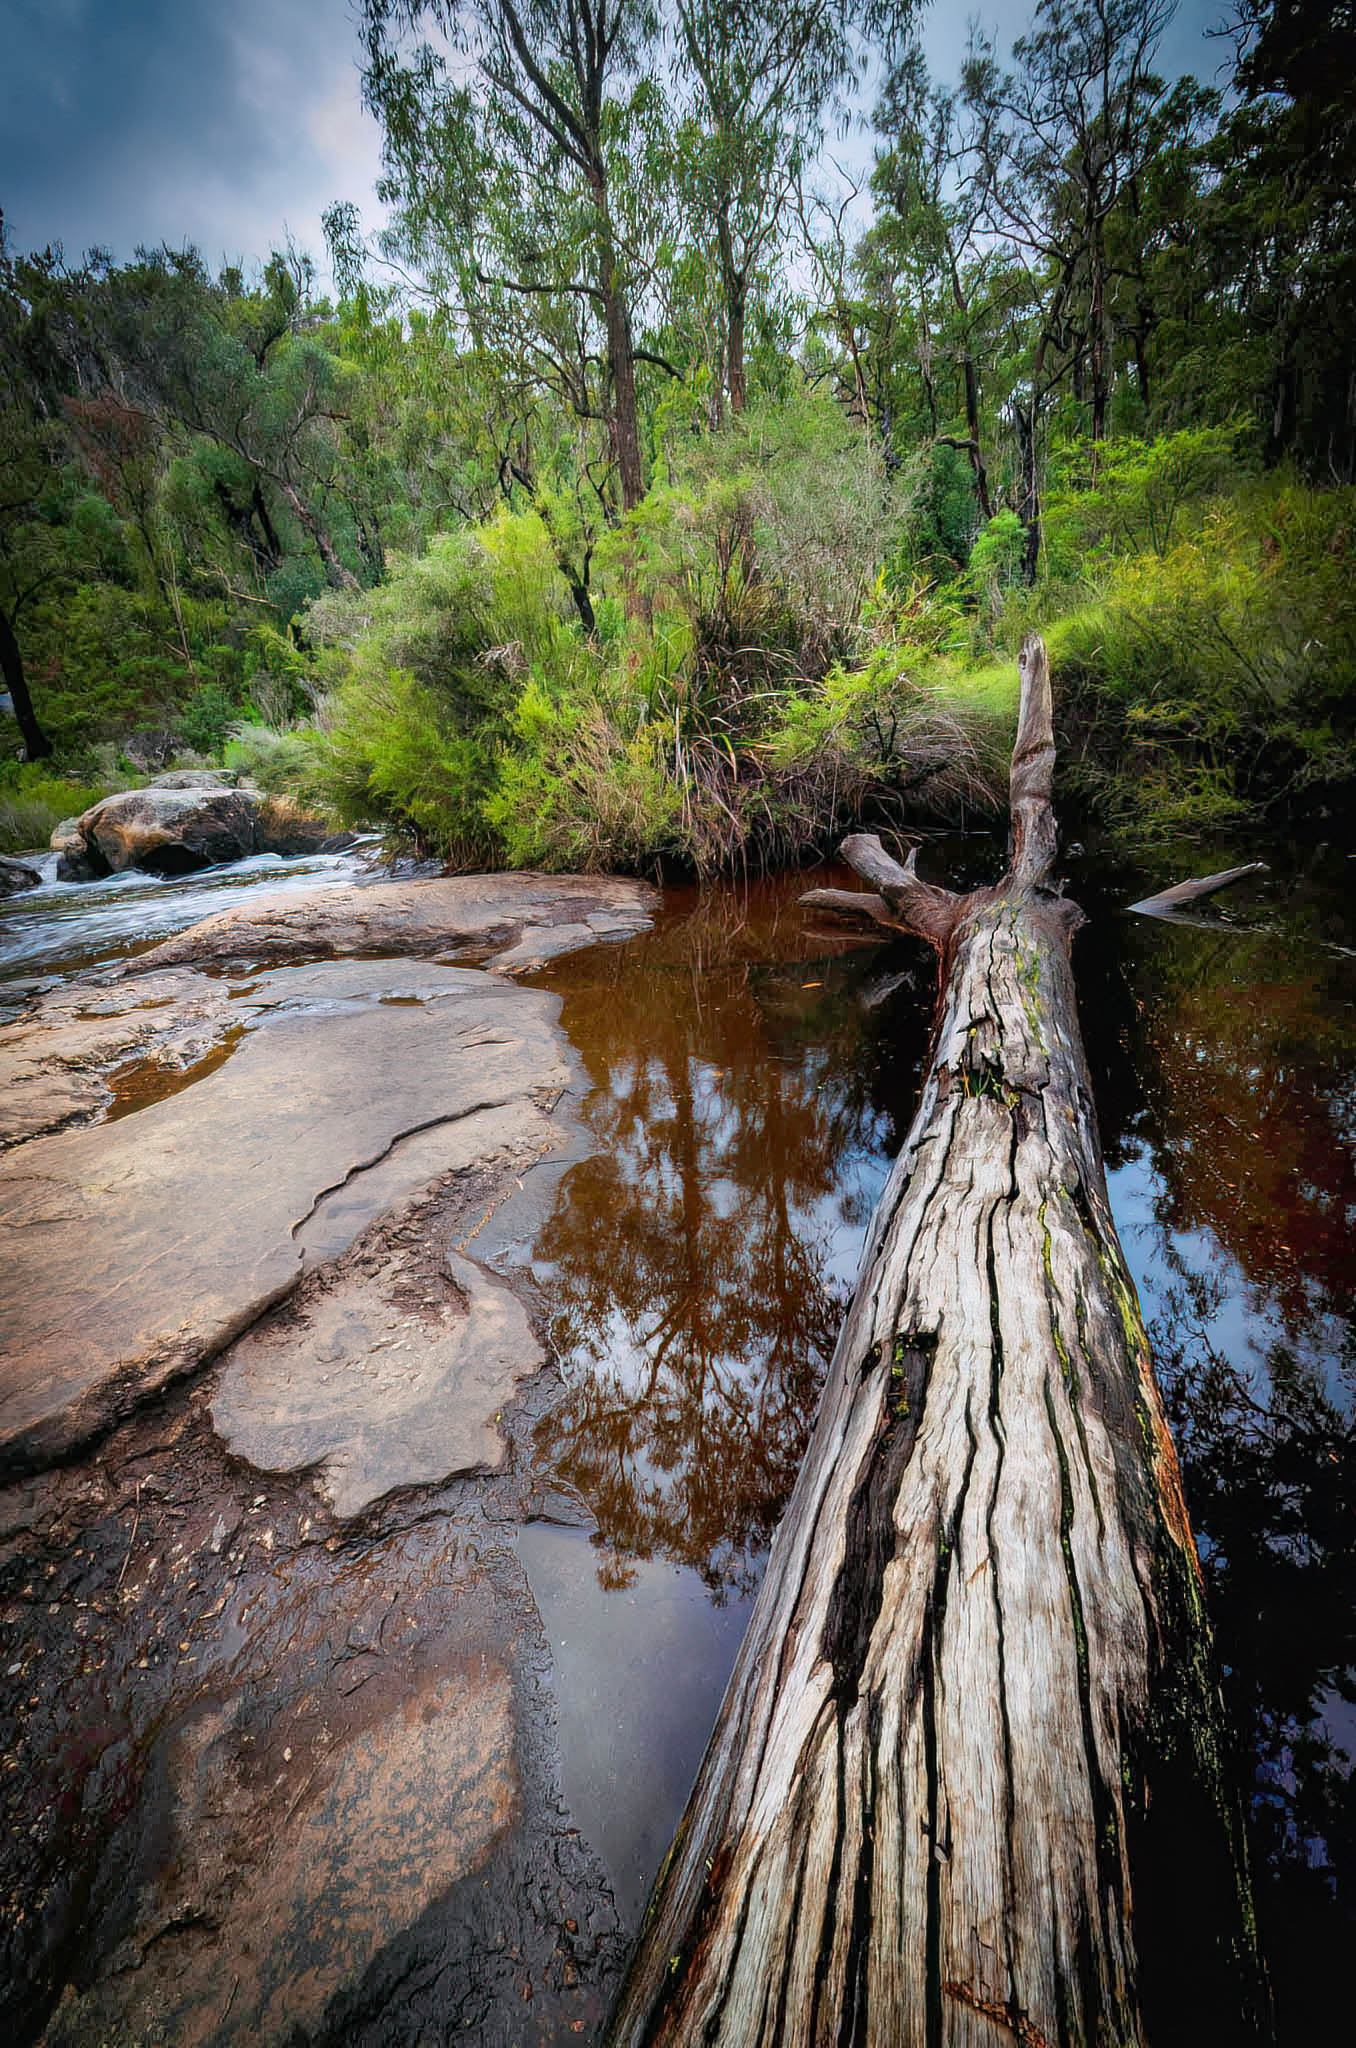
point(679, 514)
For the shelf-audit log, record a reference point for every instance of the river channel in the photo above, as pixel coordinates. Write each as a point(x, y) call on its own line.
point(745, 1077)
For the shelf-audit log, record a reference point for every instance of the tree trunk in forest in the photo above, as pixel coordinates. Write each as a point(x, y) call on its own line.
point(1098, 350)
point(621, 357)
point(1028, 487)
point(974, 1718)
point(734, 287)
point(625, 417)
point(37, 746)
point(341, 577)
point(736, 299)
point(977, 463)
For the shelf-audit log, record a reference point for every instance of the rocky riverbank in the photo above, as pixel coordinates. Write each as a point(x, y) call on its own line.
point(278, 1753)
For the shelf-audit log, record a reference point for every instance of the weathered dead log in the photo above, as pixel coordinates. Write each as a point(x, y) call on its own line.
point(1169, 900)
point(975, 1703)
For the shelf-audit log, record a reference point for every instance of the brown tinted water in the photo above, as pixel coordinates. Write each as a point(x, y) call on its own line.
point(750, 1077)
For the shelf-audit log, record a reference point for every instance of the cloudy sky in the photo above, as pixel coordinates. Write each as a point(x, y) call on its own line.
point(229, 124)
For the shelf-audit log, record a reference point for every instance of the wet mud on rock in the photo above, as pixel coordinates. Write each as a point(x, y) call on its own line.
point(269, 1775)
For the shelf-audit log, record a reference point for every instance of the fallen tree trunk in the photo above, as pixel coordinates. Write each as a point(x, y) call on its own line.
point(975, 1708)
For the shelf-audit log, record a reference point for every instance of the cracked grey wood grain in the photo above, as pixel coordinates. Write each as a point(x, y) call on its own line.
point(980, 1651)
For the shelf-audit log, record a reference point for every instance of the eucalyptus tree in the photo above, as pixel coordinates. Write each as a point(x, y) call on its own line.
point(845, 307)
point(236, 384)
point(766, 78)
point(1067, 132)
point(523, 161)
point(929, 237)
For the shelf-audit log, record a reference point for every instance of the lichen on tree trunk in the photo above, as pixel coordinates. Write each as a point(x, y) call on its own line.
point(979, 1653)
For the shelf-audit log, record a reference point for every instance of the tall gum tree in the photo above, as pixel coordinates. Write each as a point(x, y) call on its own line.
point(505, 151)
point(1067, 132)
point(765, 80)
point(927, 236)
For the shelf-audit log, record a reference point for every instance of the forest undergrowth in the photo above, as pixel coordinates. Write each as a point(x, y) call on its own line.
point(654, 519)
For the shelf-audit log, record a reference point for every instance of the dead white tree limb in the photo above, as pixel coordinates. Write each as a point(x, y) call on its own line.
point(1169, 900)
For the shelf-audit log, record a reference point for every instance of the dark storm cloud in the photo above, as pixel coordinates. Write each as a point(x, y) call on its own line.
point(126, 121)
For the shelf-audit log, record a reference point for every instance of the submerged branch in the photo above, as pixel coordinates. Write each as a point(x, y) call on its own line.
point(1168, 900)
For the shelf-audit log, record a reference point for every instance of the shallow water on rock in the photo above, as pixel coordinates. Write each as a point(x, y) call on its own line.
point(64, 926)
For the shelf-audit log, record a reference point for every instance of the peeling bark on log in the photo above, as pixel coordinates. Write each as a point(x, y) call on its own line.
point(976, 1698)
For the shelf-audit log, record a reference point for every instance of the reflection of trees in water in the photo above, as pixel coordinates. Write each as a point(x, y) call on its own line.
point(730, 1107)
point(690, 1254)
point(1255, 1083)
point(1272, 1486)
point(1247, 1059)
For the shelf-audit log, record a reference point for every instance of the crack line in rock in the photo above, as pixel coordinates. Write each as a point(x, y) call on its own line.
point(410, 1131)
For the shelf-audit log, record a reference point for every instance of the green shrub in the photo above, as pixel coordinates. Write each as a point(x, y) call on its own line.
point(26, 824)
point(33, 802)
point(585, 787)
point(424, 674)
point(279, 762)
point(206, 718)
point(104, 661)
point(706, 720)
point(907, 733)
point(940, 519)
point(1222, 674)
point(1131, 497)
point(995, 564)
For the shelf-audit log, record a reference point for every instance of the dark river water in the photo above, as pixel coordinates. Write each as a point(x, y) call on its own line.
point(749, 1076)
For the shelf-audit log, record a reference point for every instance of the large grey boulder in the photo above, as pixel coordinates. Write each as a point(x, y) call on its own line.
point(166, 831)
point(191, 819)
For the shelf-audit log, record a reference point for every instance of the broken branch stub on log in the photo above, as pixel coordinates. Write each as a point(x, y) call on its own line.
point(976, 1701)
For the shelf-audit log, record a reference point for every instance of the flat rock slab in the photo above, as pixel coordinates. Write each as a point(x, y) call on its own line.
point(136, 1250)
point(60, 1060)
point(503, 922)
point(379, 1392)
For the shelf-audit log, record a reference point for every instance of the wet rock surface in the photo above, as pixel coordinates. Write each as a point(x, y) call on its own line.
point(136, 1250)
point(269, 1780)
point(505, 922)
point(380, 1382)
point(63, 1059)
point(16, 875)
point(279, 1760)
